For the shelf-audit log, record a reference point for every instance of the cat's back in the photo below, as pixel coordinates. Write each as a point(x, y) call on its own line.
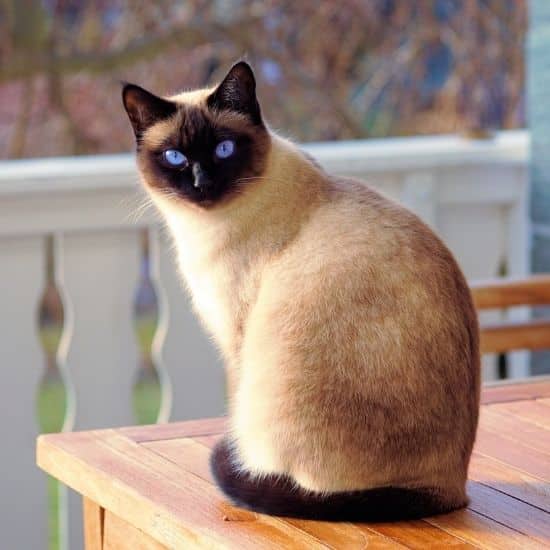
point(371, 263)
point(356, 225)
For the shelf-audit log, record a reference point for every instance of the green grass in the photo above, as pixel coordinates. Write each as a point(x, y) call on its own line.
point(54, 489)
point(51, 409)
point(49, 335)
point(145, 327)
point(51, 404)
point(147, 400)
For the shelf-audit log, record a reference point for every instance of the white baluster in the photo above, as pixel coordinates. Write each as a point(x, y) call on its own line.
point(23, 514)
point(98, 273)
point(153, 236)
point(518, 248)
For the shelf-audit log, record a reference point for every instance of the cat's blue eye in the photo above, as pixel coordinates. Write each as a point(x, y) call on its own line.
point(174, 157)
point(225, 149)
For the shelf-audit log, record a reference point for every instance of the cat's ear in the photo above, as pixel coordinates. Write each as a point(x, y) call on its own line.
point(237, 92)
point(145, 108)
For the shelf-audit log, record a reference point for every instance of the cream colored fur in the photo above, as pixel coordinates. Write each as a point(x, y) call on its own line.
point(345, 324)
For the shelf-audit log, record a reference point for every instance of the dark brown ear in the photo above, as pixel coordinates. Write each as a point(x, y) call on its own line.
point(145, 108)
point(237, 92)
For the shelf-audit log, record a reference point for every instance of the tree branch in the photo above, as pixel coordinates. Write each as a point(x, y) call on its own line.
point(20, 128)
point(141, 49)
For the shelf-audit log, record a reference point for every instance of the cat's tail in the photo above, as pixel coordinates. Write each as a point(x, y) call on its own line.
point(280, 496)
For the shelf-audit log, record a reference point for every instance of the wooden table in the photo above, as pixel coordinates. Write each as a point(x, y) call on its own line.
point(150, 488)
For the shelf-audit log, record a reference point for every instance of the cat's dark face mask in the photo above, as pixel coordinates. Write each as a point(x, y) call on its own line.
point(203, 152)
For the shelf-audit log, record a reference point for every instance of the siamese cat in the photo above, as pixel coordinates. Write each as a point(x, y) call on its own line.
point(346, 326)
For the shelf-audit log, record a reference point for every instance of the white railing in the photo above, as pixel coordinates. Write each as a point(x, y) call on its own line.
point(473, 193)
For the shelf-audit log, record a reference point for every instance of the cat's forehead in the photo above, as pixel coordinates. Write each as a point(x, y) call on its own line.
point(192, 97)
point(194, 120)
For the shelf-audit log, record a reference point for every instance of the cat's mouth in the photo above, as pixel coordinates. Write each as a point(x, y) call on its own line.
point(203, 192)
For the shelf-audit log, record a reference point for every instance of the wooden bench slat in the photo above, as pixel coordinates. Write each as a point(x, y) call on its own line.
point(530, 335)
point(501, 293)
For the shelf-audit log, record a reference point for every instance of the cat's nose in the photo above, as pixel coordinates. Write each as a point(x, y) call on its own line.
point(201, 179)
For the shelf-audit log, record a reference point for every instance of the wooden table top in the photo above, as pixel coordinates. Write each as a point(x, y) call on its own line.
point(157, 479)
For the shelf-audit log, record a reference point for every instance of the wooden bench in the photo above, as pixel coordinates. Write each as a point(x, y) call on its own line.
point(532, 334)
point(150, 487)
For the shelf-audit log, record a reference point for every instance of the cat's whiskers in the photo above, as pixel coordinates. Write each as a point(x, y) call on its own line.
point(170, 194)
point(136, 215)
point(138, 204)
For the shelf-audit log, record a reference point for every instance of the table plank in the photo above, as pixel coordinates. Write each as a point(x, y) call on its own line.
point(208, 440)
point(175, 507)
point(513, 453)
point(516, 391)
point(420, 534)
point(497, 419)
point(483, 532)
point(345, 535)
point(509, 480)
point(187, 453)
point(93, 524)
point(174, 430)
point(121, 534)
point(509, 511)
point(532, 411)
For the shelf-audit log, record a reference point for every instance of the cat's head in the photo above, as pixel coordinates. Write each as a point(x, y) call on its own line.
point(201, 147)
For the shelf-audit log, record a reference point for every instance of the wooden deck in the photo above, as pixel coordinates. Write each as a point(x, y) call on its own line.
point(150, 488)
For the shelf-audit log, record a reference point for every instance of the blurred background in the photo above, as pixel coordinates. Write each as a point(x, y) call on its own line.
point(326, 70)
point(438, 103)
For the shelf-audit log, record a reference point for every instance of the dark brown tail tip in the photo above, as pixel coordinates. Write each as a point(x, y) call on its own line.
point(280, 496)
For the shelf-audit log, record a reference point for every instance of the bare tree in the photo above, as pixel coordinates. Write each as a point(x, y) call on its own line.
point(327, 70)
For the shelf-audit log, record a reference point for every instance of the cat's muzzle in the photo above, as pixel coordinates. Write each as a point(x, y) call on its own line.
point(200, 178)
